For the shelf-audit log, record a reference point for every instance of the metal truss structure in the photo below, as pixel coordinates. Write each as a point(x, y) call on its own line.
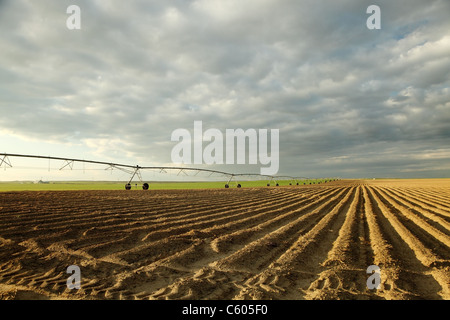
point(67, 163)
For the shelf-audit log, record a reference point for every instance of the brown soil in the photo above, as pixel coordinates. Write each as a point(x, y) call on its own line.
point(302, 242)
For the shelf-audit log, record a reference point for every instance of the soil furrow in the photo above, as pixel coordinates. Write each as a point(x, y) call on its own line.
point(289, 242)
point(263, 251)
point(411, 277)
point(432, 215)
point(420, 233)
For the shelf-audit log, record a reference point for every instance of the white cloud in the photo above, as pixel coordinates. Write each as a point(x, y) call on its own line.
point(139, 70)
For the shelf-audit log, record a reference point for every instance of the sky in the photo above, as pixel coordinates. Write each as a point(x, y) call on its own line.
point(348, 101)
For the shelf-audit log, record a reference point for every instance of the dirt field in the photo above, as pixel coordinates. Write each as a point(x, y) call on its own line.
point(299, 242)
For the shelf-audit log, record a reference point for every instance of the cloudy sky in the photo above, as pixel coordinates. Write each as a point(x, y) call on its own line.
point(348, 101)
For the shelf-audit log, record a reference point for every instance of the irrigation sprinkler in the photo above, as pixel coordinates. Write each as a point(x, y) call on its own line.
point(230, 181)
point(67, 163)
point(135, 170)
point(227, 185)
point(5, 160)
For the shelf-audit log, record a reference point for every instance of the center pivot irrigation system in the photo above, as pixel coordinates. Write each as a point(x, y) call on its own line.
point(136, 170)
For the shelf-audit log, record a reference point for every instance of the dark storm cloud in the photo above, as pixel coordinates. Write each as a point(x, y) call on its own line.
point(138, 70)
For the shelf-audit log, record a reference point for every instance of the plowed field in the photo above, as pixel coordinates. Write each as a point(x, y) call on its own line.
point(292, 242)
